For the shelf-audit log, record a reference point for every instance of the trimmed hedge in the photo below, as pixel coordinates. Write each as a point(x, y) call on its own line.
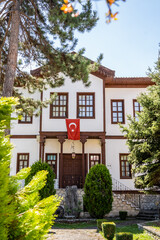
point(98, 191)
point(99, 223)
point(48, 189)
point(109, 230)
point(124, 236)
point(123, 215)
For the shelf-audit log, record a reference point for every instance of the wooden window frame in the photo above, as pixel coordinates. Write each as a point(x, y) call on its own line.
point(18, 160)
point(94, 154)
point(86, 94)
point(134, 112)
point(53, 160)
point(123, 115)
point(51, 106)
point(124, 177)
point(25, 122)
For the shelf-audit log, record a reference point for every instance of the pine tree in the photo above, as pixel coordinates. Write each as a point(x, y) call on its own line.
point(30, 32)
point(143, 136)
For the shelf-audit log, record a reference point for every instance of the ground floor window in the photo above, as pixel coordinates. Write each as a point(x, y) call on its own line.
point(22, 161)
point(125, 167)
point(94, 159)
point(51, 159)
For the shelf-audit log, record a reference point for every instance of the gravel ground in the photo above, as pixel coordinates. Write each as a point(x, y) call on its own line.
point(74, 234)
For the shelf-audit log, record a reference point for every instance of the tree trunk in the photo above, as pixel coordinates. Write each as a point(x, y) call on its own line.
point(12, 53)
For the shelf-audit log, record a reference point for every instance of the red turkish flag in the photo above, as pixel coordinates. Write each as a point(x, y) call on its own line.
point(73, 128)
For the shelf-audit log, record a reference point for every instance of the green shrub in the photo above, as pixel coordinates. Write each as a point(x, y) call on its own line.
point(48, 189)
point(98, 191)
point(109, 230)
point(124, 236)
point(99, 223)
point(123, 215)
point(7, 208)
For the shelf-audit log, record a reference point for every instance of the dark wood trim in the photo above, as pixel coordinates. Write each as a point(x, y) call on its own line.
point(127, 86)
point(41, 109)
point(86, 93)
point(61, 139)
point(23, 136)
point(115, 137)
point(103, 149)
point(122, 177)
point(123, 111)
point(83, 140)
point(51, 106)
point(128, 191)
point(29, 122)
point(104, 108)
point(89, 134)
point(40, 126)
point(52, 160)
point(18, 154)
point(137, 82)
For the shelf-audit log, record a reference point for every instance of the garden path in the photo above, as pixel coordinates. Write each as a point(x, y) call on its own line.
point(74, 234)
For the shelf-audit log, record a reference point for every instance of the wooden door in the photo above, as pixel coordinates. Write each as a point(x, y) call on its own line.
point(72, 170)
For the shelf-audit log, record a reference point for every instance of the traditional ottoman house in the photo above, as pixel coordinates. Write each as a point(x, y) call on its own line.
point(99, 108)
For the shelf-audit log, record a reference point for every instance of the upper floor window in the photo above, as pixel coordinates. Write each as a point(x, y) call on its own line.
point(125, 167)
point(25, 119)
point(117, 111)
point(136, 108)
point(22, 161)
point(85, 105)
point(51, 159)
point(59, 107)
point(94, 159)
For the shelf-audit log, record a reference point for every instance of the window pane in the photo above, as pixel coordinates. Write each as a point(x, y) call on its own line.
point(114, 104)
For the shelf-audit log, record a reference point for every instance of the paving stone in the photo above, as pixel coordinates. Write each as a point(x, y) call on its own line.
point(74, 234)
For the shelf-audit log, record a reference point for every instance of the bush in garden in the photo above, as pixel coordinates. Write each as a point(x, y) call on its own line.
point(48, 189)
point(124, 236)
point(109, 230)
point(123, 215)
point(98, 191)
point(99, 223)
point(7, 208)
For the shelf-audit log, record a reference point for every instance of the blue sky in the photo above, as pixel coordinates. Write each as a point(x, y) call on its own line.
point(130, 44)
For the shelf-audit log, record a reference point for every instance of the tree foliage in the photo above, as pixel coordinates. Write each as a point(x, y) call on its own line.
point(7, 207)
point(98, 191)
point(45, 38)
point(22, 214)
point(48, 189)
point(143, 136)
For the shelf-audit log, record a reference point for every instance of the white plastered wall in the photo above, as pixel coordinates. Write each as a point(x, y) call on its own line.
point(26, 129)
point(30, 146)
point(113, 148)
point(128, 94)
point(72, 89)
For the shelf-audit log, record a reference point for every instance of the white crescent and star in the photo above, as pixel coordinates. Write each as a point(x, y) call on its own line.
point(72, 130)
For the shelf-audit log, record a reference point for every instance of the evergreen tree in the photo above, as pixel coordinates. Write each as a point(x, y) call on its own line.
point(143, 136)
point(31, 31)
point(98, 191)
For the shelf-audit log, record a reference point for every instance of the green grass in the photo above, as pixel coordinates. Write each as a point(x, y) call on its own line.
point(138, 234)
point(80, 225)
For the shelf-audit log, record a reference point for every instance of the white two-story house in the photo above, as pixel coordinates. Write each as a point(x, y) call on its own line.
point(100, 107)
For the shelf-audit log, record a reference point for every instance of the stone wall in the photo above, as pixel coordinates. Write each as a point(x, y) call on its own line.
point(129, 202)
